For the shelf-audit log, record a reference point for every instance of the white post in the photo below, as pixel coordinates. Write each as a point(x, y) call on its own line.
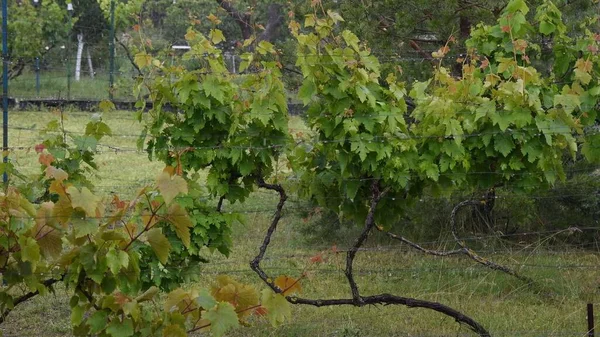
point(90, 65)
point(79, 54)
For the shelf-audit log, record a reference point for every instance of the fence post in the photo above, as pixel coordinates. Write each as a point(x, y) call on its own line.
point(5, 86)
point(590, 320)
point(70, 11)
point(112, 50)
point(37, 76)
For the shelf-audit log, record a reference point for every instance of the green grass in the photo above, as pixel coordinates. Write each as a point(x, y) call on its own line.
point(555, 307)
point(54, 85)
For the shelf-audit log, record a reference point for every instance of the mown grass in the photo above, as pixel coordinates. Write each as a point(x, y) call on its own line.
point(555, 306)
point(54, 85)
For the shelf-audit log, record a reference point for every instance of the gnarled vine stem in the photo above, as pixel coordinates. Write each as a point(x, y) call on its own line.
point(463, 250)
point(357, 299)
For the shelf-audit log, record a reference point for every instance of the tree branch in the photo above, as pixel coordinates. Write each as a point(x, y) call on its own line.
point(243, 19)
point(47, 283)
point(128, 54)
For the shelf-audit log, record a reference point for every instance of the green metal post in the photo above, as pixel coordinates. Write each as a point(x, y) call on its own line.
point(111, 45)
point(68, 63)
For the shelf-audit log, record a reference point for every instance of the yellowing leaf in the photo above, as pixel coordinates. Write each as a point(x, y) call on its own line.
point(159, 243)
point(215, 20)
point(174, 298)
point(216, 36)
point(277, 306)
point(288, 285)
point(222, 318)
point(62, 211)
point(148, 295)
point(170, 187)
point(335, 16)
point(50, 242)
point(178, 217)
point(142, 60)
point(84, 200)
point(174, 330)
point(56, 173)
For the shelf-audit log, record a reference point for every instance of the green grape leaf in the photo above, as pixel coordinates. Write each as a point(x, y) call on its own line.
point(117, 328)
point(277, 306)
point(116, 259)
point(97, 321)
point(174, 330)
point(222, 318)
point(205, 300)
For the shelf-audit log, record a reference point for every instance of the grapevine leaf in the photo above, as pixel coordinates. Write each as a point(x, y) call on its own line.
point(351, 189)
point(159, 243)
point(170, 187)
point(97, 321)
point(50, 242)
point(117, 328)
point(181, 222)
point(288, 285)
point(116, 259)
point(277, 306)
point(504, 144)
point(174, 298)
point(77, 315)
point(30, 251)
point(56, 173)
point(351, 39)
point(84, 200)
point(307, 91)
point(142, 60)
point(222, 318)
point(174, 330)
point(206, 300)
point(148, 295)
point(547, 28)
point(216, 36)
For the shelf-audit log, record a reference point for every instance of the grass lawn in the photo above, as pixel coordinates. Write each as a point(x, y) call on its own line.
point(503, 304)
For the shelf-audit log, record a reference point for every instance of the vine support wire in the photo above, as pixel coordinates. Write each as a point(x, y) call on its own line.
point(4, 86)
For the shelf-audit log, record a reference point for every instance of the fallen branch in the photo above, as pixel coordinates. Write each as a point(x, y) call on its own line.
point(463, 250)
point(357, 299)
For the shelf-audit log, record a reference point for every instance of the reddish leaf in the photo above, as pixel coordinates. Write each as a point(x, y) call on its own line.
point(46, 159)
point(261, 311)
point(317, 258)
point(40, 148)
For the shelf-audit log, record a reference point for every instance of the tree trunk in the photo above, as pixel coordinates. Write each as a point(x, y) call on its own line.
point(245, 20)
point(80, 44)
point(89, 60)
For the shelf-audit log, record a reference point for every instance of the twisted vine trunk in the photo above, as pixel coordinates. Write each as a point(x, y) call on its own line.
point(357, 299)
